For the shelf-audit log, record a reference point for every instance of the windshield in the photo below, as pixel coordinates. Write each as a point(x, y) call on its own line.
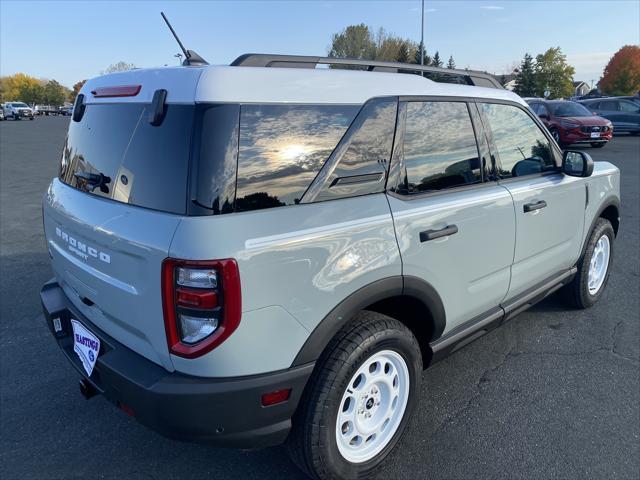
point(569, 109)
point(19, 104)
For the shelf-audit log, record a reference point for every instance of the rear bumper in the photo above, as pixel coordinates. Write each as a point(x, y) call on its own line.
point(221, 411)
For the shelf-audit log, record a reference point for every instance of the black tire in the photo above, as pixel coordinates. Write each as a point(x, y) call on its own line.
point(312, 444)
point(577, 292)
point(598, 145)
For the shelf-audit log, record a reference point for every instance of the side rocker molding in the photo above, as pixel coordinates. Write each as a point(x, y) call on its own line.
point(379, 290)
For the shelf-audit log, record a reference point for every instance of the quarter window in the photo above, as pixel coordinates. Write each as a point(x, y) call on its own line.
point(522, 147)
point(439, 149)
point(282, 148)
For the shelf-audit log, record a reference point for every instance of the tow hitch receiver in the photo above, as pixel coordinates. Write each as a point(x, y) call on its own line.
point(87, 390)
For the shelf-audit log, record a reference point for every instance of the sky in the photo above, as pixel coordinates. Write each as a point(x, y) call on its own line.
point(73, 40)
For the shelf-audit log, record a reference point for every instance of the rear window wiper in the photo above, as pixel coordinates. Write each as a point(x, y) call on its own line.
point(91, 181)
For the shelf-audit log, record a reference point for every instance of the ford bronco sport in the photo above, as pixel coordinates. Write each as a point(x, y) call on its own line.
point(258, 254)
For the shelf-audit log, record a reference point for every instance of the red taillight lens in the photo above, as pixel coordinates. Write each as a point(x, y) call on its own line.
point(192, 298)
point(116, 91)
point(199, 319)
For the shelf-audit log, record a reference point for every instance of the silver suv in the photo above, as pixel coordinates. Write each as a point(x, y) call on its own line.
point(257, 254)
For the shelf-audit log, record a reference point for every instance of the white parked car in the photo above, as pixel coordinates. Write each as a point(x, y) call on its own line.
point(17, 110)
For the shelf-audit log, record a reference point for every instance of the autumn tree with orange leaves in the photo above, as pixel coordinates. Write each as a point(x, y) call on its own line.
point(622, 73)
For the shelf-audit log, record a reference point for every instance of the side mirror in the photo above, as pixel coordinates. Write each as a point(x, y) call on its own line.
point(577, 163)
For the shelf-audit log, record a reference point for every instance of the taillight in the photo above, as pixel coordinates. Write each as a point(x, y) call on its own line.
point(202, 304)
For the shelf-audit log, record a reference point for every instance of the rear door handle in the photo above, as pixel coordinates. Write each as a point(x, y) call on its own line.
point(530, 207)
point(433, 234)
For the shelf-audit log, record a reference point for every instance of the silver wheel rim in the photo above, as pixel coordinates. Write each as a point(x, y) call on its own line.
point(372, 406)
point(556, 136)
point(599, 264)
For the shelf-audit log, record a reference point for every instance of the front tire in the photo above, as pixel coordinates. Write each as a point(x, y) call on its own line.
point(593, 268)
point(359, 400)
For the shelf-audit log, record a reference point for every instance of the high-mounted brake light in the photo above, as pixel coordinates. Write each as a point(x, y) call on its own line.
point(201, 302)
point(116, 91)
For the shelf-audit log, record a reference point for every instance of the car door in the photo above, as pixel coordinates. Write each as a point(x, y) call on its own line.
point(629, 115)
point(549, 206)
point(455, 228)
point(611, 110)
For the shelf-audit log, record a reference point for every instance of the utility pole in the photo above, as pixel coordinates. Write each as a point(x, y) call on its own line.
point(422, 37)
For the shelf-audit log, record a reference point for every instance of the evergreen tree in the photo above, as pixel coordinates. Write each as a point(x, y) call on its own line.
point(427, 58)
point(437, 61)
point(451, 64)
point(526, 78)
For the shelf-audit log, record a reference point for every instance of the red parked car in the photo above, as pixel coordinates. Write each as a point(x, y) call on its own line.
point(570, 122)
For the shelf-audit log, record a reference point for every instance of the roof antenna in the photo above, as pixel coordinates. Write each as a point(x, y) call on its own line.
point(190, 57)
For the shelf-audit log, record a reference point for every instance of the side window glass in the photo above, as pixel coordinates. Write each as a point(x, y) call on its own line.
point(282, 148)
point(440, 149)
point(610, 106)
point(522, 147)
point(362, 156)
point(629, 107)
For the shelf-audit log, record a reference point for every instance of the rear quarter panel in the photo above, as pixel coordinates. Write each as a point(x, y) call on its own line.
point(296, 264)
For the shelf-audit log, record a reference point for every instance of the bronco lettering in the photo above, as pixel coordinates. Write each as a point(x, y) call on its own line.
point(81, 249)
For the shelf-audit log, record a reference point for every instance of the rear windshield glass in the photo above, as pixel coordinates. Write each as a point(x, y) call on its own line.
point(114, 152)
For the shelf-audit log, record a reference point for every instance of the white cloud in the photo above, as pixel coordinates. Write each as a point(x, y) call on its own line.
point(491, 7)
point(588, 64)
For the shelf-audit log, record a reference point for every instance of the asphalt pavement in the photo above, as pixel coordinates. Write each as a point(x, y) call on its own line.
point(554, 393)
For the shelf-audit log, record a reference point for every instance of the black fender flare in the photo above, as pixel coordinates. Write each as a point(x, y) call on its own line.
point(374, 292)
point(609, 202)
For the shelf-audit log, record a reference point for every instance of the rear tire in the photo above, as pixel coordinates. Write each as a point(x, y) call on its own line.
point(593, 268)
point(359, 399)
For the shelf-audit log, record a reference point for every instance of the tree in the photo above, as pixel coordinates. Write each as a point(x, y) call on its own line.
point(403, 55)
point(54, 93)
point(118, 67)
point(427, 58)
point(554, 74)
point(526, 78)
point(437, 61)
point(355, 41)
point(21, 87)
point(451, 64)
point(76, 90)
point(622, 74)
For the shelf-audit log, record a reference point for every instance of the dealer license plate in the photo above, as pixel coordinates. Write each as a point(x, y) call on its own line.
point(86, 345)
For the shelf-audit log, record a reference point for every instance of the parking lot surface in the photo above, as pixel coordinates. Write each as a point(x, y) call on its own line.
point(553, 393)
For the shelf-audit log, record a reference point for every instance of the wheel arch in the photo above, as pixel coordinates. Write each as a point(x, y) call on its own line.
point(409, 300)
point(610, 210)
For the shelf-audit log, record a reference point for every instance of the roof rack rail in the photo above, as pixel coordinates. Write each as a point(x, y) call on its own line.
point(445, 75)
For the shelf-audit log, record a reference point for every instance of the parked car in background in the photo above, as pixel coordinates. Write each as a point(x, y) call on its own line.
point(65, 110)
point(46, 110)
point(571, 123)
point(17, 110)
point(623, 113)
point(1, 114)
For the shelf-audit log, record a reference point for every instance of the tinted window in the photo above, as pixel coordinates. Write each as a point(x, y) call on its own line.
point(522, 147)
point(282, 148)
point(609, 105)
point(440, 148)
point(115, 153)
point(569, 109)
point(629, 107)
point(363, 155)
point(216, 151)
